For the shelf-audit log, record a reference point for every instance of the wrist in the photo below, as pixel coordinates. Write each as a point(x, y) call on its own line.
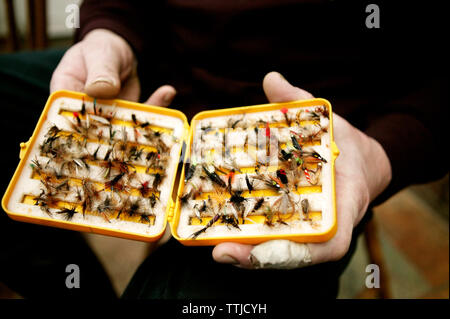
point(378, 168)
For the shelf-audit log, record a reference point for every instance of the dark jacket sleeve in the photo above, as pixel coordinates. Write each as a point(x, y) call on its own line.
point(130, 19)
point(414, 135)
point(408, 114)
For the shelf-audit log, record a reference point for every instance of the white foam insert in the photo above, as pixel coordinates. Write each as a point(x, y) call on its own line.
point(27, 185)
point(318, 201)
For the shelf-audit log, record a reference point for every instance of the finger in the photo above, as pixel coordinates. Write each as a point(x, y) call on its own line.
point(61, 81)
point(103, 63)
point(335, 248)
point(274, 254)
point(233, 253)
point(280, 254)
point(69, 74)
point(163, 96)
point(278, 89)
point(131, 88)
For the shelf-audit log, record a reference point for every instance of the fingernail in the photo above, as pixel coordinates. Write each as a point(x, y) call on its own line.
point(227, 259)
point(282, 77)
point(169, 97)
point(102, 79)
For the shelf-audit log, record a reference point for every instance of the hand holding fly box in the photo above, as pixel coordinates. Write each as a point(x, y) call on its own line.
point(250, 174)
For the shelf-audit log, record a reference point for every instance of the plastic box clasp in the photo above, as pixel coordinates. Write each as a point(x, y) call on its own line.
point(171, 211)
point(23, 148)
point(334, 149)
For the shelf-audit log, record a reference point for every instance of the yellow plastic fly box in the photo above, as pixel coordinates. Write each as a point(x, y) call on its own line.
point(119, 168)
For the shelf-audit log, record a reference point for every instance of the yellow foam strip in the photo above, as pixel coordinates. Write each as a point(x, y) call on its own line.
point(264, 169)
point(114, 121)
point(271, 125)
point(263, 192)
point(77, 136)
point(315, 216)
point(251, 149)
point(29, 200)
point(306, 122)
point(256, 219)
point(73, 181)
point(309, 190)
point(138, 168)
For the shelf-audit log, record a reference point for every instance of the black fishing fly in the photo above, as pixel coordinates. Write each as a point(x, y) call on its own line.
point(258, 204)
point(281, 174)
point(230, 220)
point(190, 170)
point(285, 155)
point(249, 185)
point(68, 213)
point(295, 143)
point(237, 198)
point(214, 177)
point(210, 223)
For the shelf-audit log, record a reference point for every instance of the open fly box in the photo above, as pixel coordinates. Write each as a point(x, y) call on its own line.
point(124, 169)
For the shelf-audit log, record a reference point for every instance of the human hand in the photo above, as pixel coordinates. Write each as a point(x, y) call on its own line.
point(103, 65)
point(363, 171)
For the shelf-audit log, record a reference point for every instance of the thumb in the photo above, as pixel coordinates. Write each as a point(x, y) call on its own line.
point(163, 96)
point(108, 60)
point(103, 67)
point(278, 89)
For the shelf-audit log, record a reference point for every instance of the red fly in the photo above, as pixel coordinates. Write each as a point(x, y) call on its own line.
point(267, 139)
point(281, 174)
point(308, 177)
point(267, 129)
point(77, 116)
point(286, 117)
point(144, 189)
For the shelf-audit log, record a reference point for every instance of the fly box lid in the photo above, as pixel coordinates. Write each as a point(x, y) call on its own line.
point(247, 174)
